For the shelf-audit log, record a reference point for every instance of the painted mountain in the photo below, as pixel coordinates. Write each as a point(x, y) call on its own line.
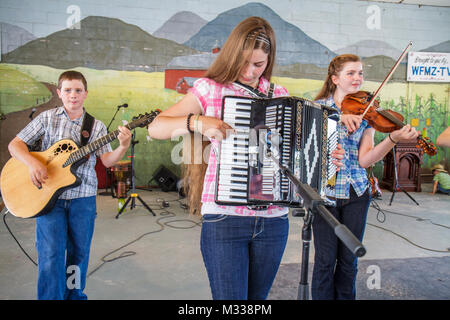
point(13, 37)
point(440, 47)
point(376, 68)
point(370, 48)
point(180, 27)
point(100, 43)
point(293, 45)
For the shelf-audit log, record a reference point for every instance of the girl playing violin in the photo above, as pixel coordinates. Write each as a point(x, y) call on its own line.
point(335, 267)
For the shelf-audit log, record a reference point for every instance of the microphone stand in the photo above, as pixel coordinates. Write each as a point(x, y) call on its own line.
point(314, 204)
point(114, 117)
point(133, 194)
point(108, 172)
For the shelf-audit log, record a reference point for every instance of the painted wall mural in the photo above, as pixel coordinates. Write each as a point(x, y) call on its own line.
point(126, 61)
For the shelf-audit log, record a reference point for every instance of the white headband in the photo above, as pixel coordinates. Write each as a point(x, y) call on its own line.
point(260, 37)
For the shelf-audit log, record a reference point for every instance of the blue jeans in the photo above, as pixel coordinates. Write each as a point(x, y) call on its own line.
point(242, 254)
point(67, 228)
point(335, 266)
point(441, 189)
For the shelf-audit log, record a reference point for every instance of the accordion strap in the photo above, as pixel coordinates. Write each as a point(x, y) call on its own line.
point(255, 92)
point(270, 94)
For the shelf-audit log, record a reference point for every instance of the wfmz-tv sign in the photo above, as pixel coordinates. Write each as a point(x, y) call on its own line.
point(429, 66)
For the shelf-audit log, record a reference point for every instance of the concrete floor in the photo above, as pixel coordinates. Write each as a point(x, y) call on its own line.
point(141, 256)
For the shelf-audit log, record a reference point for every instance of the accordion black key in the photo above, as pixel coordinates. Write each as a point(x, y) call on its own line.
point(302, 133)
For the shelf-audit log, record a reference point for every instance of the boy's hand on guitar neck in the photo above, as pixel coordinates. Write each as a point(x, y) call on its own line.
point(124, 136)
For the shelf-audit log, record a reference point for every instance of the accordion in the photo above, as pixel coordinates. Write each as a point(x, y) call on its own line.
point(301, 132)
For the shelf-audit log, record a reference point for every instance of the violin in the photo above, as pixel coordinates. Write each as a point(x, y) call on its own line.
point(381, 120)
point(364, 103)
point(375, 190)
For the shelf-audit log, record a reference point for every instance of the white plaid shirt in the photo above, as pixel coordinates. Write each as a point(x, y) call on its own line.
point(54, 125)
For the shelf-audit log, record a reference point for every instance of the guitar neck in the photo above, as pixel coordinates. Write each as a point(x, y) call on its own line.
point(95, 145)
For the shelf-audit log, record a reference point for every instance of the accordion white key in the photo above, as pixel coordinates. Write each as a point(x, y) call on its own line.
point(302, 132)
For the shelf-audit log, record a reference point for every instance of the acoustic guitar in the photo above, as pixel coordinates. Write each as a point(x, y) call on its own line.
point(23, 199)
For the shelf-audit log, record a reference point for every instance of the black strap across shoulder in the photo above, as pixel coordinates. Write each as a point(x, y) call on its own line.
point(86, 129)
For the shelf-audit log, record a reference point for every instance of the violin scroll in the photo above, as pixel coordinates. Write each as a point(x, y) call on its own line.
point(426, 145)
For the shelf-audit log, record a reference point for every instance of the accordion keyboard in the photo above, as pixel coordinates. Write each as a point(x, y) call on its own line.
point(233, 174)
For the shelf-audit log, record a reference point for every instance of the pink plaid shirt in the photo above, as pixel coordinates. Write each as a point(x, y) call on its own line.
point(210, 94)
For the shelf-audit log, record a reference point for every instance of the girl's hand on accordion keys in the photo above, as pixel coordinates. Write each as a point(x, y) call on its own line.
point(214, 128)
point(338, 154)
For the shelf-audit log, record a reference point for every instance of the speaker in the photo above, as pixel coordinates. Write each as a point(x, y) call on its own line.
point(166, 180)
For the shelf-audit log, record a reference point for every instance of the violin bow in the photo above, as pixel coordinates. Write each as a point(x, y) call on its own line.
point(408, 47)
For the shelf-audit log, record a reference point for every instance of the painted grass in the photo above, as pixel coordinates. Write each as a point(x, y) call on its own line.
point(426, 104)
point(19, 91)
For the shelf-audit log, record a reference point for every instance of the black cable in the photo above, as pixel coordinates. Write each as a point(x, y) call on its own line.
point(12, 235)
point(382, 212)
point(406, 239)
point(165, 214)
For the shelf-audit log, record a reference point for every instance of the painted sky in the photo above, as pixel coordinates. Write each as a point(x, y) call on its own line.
point(334, 23)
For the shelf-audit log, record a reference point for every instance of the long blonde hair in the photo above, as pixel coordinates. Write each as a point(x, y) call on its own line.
point(193, 172)
point(251, 33)
point(335, 66)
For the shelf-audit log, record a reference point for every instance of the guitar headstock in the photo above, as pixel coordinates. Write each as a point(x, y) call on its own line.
point(143, 120)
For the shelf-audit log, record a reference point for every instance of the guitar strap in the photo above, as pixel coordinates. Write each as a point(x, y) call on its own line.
point(86, 129)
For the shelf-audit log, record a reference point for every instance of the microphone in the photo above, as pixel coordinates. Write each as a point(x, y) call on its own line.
point(122, 106)
point(32, 112)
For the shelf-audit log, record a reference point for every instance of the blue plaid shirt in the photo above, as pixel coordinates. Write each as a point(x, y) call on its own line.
point(54, 125)
point(351, 173)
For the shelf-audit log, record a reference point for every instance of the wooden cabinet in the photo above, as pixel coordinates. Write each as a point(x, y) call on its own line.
point(408, 158)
